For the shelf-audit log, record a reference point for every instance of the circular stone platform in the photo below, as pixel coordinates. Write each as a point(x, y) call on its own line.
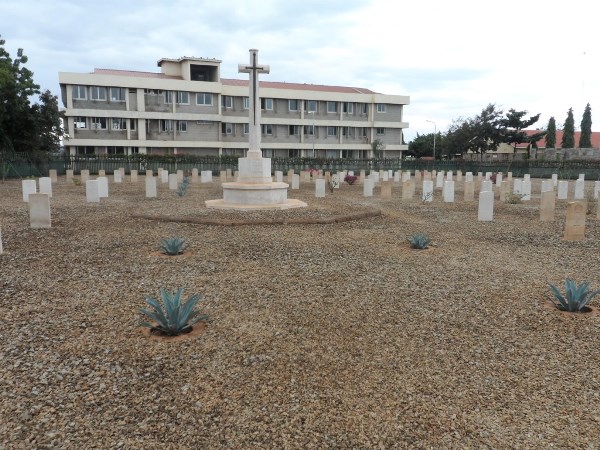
point(255, 196)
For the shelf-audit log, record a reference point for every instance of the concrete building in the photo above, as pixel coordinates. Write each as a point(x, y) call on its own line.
point(187, 108)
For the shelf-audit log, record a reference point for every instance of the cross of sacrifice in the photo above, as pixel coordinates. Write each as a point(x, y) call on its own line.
point(254, 69)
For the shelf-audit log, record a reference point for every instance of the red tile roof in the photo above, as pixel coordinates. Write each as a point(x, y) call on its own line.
point(595, 138)
point(234, 82)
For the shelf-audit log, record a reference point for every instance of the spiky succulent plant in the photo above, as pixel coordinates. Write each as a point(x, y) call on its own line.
point(575, 299)
point(174, 316)
point(173, 245)
point(182, 189)
point(419, 241)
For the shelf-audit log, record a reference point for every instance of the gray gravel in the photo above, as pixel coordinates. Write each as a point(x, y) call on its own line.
point(320, 336)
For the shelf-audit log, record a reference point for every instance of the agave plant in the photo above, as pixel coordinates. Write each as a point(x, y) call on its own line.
point(576, 297)
point(173, 246)
point(173, 317)
point(419, 241)
point(182, 189)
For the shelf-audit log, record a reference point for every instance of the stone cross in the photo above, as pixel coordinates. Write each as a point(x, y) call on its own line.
point(254, 124)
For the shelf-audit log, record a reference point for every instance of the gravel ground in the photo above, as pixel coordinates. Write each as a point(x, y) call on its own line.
point(320, 336)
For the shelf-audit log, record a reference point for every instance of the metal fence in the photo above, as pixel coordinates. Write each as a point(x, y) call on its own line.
point(23, 166)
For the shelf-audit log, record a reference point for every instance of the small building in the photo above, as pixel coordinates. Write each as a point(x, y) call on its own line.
point(187, 108)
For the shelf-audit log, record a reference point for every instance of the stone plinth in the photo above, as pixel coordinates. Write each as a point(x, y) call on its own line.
point(254, 196)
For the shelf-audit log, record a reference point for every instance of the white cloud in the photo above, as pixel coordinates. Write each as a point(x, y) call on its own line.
point(451, 58)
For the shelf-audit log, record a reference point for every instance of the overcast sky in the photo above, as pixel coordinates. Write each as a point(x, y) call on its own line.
point(451, 57)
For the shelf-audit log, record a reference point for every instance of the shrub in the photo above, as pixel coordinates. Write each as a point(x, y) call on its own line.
point(173, 317)
point(182, 189)
point(350, 179)
point(513, 199)
point(576, 297)
point(419, 241)
point(173, 246)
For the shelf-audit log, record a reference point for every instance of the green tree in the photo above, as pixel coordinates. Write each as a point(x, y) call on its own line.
point(24, 127)
point(512, 126)
point(457, 140)
point(486, 130)
point(585, 140)
point(551, 133)
point(378, 147)
point(568, 137)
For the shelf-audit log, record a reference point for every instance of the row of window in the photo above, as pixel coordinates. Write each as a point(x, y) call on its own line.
point(102, 123)
point(310, 130)
point(117, 94)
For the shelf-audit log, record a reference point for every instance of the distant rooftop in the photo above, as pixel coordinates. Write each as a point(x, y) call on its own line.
point(187, 58)
point(235, 82)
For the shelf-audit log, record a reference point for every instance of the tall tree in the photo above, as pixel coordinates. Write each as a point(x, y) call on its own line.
point(585, 139)
point(568, 137)
point(458, 138)
point(24, 127)
point(485, 130)
point(512, 126)
point(551, 133)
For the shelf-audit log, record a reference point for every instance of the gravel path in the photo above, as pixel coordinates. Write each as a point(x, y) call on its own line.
point(320, 336)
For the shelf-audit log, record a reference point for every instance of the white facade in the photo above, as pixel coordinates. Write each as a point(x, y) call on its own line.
point(188, 109)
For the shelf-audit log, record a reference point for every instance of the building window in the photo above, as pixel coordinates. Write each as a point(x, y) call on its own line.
point(347, 131)
point(115, 150)
point(98, 93)
point(246, 102)
point(168, 96)
point(132, 124)
point(98, 123)
point(380, 131)
point(363, 132)
point(204, 98)
point(227, 128)
point(182, 126)
point(311, 105)
point(227, 101)
point(294, 153)
point(246, 128)
point(331, 107)
point(79, 93)
point(151, 92)
point(267, 129)
point(364, 109)
point(79, 123)
point(380, 107)
point(331, 131)
point(85, 150)
point(266, 104)
point(165, 125)
point(118, 124)
point(348, 107)
point(293, 105)
point(117, 94)
point(183, 98)
point(294, 130)
point(309, 130)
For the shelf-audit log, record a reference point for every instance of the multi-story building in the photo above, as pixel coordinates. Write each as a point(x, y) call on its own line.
point(187, 108)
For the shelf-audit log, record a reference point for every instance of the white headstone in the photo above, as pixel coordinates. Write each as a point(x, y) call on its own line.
point(69, 174)
point(581, 176)
point(385, 176)
point(179, 174)
point(85, 175)
point(150, 187)
point(102, 187)
point(439, 179)
point(39, 210)
point(459, 175)
point(368, 187)
point(487, 186)
point(498, 179)
point(449, 190)
point(517, 186)
point(527, 177)
point(397, 176)
point(488, 175)
point(92, 192)
point(1, 249)
point(526, 190)
point(320, 188)
point(206, 176)
point(149, 173)
point(195, 175)
point(279, 176)
point(117, 176)
point(46, 186)
point(122, 170)
point(296, 181)
point(164, 176)
point(485, 212)
point(563, 190)
point(53, 175)
point(173, 181)
point(547, 185)
point(579, 189)
point(427, 191)
point(134, 176)
point(101, 173)
point(449, 175)
point(596, 189)
point(29, 187)
point(469, 176)
point(555, 179)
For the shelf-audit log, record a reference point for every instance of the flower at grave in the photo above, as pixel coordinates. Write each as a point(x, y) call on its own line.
point(350, 179)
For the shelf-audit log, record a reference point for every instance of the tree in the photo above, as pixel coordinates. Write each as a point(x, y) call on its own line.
point(485, 130)
point(513, 125)
point(585, 140)
point(568, 137)
point(25, 128)
point(457, 140)
point(551, 133)
point(378, 147)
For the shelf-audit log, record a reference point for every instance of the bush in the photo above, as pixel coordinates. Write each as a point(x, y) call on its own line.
point(173, 317)
point(419, 241)
point(173, 246)
point(182, 189)
point(576, 297)
point(350, 179)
